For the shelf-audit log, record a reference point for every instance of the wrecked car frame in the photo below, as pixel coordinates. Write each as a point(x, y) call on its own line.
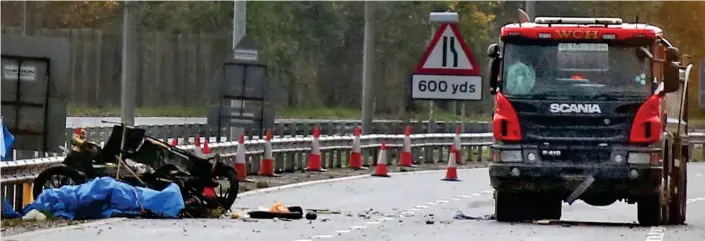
point(135, 158)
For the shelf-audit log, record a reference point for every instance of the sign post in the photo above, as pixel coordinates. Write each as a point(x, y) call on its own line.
point(447, 70)
point(702, 84)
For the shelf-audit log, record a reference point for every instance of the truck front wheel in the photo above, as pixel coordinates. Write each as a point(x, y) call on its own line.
point(548, 207)
point(649, 210)
point(510, 207)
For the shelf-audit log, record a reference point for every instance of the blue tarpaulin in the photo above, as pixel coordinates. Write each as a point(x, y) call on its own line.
point(105, 197)
point(6, 142)
point(7, 211)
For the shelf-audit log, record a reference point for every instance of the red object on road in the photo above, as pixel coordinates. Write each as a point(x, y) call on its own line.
point(405, 159)
point(381, 170)
point(267, 164)
point(315, 163)
point(452, 170)
point(356, 153)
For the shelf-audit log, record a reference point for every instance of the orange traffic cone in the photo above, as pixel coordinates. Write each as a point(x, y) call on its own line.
point(405, 158)
point(208, 191)
point(452, 171)
point(206, 149)
point(458, 145)
point(381, 170)
point(266, 167)
point(174, 142)
point(197, 146)
point(241, 160)
point(356, 153)
point(314, 159)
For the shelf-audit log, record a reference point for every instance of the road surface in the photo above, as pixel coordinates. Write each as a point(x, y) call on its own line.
point(399, 207)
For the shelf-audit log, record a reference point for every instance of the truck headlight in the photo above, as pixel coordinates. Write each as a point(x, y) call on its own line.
point(510, 156)
point(531, 157)
point(639, 158)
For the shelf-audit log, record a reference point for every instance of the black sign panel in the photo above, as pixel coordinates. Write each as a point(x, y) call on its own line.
point(244, 80)
point(242, 95)
point(34, 76)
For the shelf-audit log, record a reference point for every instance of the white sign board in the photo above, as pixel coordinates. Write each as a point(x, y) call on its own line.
point(446, 87)
point(246, 54)
point(10, 72)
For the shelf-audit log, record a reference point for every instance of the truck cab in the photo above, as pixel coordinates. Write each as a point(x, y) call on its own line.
point(581, 110)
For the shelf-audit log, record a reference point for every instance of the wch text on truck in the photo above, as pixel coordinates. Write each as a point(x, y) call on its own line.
point(582, 109)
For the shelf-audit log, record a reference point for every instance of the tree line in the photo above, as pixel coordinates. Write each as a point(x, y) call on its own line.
point(314, 49)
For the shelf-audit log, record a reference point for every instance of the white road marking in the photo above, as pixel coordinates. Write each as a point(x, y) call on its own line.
point(415, 209)
point(442, 201)
point(407, 212)
point(656, 234)
point(322, 236)
point(358, 227)
point(343, 231)
point(421, 206)
point(476, 194)
point(455, 199)
point(695, 199)
point(303, 240)
point(372, 222)
point(487, 192)
point(431, 203)
point(385, 219)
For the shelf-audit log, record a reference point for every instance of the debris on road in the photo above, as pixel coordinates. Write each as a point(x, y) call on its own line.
point(430, 219)
point(279, 211)
point(34, 215)
point(311, 216)
point(461, 216)
point(323, 211)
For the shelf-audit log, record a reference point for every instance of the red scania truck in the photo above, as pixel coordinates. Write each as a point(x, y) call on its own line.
point(589, 109)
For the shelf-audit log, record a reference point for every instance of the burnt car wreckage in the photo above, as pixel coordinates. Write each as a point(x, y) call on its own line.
point(132, 157)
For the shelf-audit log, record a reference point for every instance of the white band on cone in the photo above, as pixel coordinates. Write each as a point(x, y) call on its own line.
point(451, 158)
point(315, 147)
point(356, 145)
point(382, 157)
point(268, 150)
point(456, 142)
point(240, 155)
point(407, 144)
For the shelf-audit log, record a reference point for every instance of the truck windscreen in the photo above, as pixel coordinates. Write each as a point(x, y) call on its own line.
point(576, 71)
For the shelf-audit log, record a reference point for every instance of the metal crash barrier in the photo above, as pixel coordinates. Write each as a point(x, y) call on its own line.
point(291, 153)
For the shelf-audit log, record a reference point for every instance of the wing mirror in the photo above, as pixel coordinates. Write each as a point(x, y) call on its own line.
point(495, 61)
point(493, 50)
point(671, 73)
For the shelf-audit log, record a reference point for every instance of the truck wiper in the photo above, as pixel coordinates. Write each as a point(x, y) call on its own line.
point(546, 96)
point(616, 96)
point(603, 97)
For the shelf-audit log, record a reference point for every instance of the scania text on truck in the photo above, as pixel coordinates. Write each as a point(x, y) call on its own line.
point(588, 109)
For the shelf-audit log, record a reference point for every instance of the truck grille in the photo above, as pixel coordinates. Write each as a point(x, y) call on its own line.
point(586, 154)
point(574, 128)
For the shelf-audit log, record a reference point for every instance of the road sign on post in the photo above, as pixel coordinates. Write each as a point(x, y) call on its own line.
point(35, 73)
point(447, 70)
point(240, 99)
